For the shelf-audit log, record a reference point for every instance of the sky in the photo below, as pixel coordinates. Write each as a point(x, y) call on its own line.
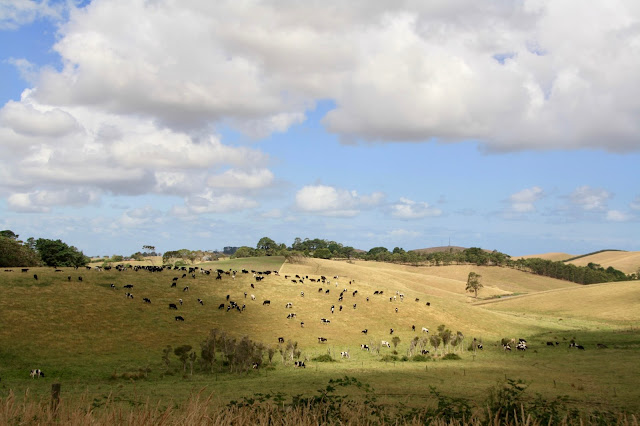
point(506, 125)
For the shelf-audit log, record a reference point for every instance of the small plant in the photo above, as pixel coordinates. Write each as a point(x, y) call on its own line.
point(323, 358)
point(451, 356)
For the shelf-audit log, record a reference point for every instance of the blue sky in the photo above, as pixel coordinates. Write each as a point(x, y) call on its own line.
point(505, 125)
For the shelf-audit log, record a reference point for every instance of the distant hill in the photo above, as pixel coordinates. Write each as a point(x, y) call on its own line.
point(556, 257)
point(625, 261)
point(443, 248)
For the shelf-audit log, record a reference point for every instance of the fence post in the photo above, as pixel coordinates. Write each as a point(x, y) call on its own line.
point(55, 398)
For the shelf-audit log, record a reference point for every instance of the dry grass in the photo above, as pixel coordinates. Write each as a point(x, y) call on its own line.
point(625, 261)
point(554, 256)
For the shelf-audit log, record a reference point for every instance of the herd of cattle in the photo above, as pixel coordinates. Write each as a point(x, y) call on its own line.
point(258, 276)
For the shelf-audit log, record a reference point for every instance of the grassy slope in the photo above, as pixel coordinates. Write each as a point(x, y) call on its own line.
point(625, 261)
point(79, 333)
point(556, 257)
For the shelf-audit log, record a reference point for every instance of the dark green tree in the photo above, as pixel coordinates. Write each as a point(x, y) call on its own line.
point(57, 253)
point(268, 245)
point(12, 253)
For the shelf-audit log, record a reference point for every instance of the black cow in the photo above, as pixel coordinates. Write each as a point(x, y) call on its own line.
point(280, 339)
point(35, 277)
point(179, 318)
point(221, 306)
point(365, 331)
point(266, 302)
point(146, 300)
point(173, 306)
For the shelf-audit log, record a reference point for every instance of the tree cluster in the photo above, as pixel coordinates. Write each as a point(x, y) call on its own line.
point(238, 355)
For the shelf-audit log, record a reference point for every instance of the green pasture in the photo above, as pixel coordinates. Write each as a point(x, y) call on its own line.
point(88, 336)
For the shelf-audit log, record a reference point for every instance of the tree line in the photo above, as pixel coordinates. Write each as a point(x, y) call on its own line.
point(37, 252)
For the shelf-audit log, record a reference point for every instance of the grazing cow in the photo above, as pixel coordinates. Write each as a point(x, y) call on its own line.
point(332, 308)
point(112, 285)
point(180, 301)
point(280, 339)
point(179, 318)
point(396, 310)
point(252, 286)
point(80, 279)
point(391, 331)
point(288, 305)
point(326, 291)
point(344, 354)
point(417, 300)
point(146, 300)
point(425, 330)
point(25, 269)
point(201, 302)
point(37, 373)
point(325, 321)
point(175, 278)
point(522, 345)
point(127, 286)
point(255, 365)
point(385, 343)
point(354, 306)
point(365, 331)
point(299, 364)
point(69, 278)
point(253, 297)
point(173, 284)
point(322, 339)
point(302, 324)
point(35, 277)
point(245, 294)
point(428, 303)
point(186, 288)
point(302, 294)
point(506, 347)
point(129, 295)
point(266, 302)
point(221, 306)
point(173, 306)
point(291, 316)
point(364, 347)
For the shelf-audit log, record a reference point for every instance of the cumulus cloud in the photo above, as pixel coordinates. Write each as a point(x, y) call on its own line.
point(240, 179)
point(41, 201)
point(635, 204)
point(330, 201)
point(409, 209)
point(590, 199)
point(523, 201)
point(212, 202)
point(15, 13)
point(514, 75)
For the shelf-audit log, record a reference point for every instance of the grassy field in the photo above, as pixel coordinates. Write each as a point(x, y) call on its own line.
point(625, 261)
point(85, 335)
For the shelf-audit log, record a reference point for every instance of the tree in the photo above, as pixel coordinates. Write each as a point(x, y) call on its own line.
point(57, 253)
point(7, 233)
point(12, 253)
point(395, 341)
point(473, 283)
point(267, 244)
point(323, 253)
point(182, 352)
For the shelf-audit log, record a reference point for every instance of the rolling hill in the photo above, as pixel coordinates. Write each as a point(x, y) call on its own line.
point(625, 261)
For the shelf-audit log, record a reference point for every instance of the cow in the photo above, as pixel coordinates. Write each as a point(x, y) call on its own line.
point(413, 328)
point(221, 306)
point(173, 284)
point(146, 300)
point(425, 330)
point(385, 343)
point(266, 302)
point(201, 302)
point(25, 269)
point(365, 331)
point(288, 305)
point(129, 295)
point(391, 330)
point(35, 277)
point(173, 306)
point(364, 347)
point(37, 373)
point(291, 316)
point(112, 285)
point(280, 339)
point(325, 321)
point(322, 339)
point(179, 318)
point(299, 364)
point(301, 324)
point(344, 354)
point(302, 294)
point(127, 286)
point(354, 305)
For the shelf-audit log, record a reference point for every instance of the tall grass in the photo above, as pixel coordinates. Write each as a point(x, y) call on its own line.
point(200, 409)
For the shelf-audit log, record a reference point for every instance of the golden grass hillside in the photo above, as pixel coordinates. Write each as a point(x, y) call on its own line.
point(625, 261)
point(554, 256)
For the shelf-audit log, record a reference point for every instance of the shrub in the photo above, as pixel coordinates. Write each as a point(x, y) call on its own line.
point(323, 358)
point(420, 358)
point(451, 356)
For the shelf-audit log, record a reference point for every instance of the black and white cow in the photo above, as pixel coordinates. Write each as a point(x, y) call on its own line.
point(297, 364)
point(179, 318)
point(280, 339)
point(146, 300)
point(385, 343)
point(37, 373)
point(322, 339)
point(364, 347)
point(344, 354)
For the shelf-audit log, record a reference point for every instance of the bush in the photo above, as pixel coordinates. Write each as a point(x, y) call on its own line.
point(389, 358)
point(323, 358)
point(451, 356)
point(420, 358)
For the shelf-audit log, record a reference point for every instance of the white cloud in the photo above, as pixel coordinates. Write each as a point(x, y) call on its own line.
point(41, 201)
point(523, 201)
point(635, 204)
point(212, 202)
point(26, 120)
point(590, 199)
point(618, 216)
point(330, 201)
point(239, 179)
point(14, 13)
point(409, 209)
